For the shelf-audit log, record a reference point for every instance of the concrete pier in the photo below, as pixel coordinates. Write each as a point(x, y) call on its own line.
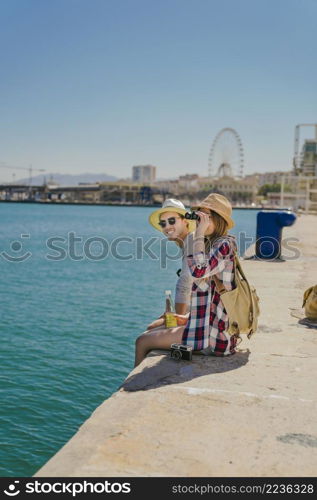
point(252, 414)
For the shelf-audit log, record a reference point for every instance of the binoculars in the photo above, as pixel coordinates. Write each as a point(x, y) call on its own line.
point(192, 216)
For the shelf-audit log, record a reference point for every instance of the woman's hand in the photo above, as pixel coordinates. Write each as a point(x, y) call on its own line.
point(202, 224)
point(158, 322)
point(182, 319)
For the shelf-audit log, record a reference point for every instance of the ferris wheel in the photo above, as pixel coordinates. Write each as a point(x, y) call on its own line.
point(226, 155)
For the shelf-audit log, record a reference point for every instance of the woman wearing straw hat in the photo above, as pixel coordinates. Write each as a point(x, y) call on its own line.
point(212, 253)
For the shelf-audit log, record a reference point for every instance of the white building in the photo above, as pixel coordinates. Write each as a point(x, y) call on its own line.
point(188, 182)
point(268, 177)
point(308, 163)
point(144, 174)
point(235, 189)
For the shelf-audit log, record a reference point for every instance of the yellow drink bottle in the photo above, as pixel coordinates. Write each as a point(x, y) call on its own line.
point(170, 319)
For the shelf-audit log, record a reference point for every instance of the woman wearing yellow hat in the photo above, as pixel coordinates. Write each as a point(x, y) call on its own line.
point(212, 253)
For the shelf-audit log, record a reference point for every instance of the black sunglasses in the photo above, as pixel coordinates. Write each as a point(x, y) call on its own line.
point(171, 221)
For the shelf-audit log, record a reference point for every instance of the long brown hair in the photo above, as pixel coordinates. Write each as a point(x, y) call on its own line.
point(221, 229)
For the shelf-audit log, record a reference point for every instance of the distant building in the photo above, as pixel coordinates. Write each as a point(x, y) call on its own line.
point(268, 177)
point(144, 174)
point(235, 189)
point(188, 182)
point(51, 183)
point(168, 187)
point(308, 161)
point(191, 188)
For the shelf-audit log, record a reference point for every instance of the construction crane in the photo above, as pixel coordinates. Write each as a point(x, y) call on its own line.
point(30, 170)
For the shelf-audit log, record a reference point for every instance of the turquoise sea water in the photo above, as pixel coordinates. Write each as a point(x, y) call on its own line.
point(70, 313)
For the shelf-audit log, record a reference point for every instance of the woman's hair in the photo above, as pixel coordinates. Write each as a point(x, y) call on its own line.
point(221, 229)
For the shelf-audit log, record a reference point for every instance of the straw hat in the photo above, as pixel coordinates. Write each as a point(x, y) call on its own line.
point(170, 205)
point(219, 204)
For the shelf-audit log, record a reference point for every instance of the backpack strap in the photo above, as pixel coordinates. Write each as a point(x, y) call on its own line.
point(239, 267)
point(219, 285)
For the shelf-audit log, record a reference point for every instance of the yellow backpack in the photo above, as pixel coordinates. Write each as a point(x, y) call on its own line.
point(310, 303)
point(241, 303)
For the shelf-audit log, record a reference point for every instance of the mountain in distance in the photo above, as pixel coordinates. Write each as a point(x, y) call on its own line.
point(67, 179)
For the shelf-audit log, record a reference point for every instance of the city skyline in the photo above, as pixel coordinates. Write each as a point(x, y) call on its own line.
point(101, 86)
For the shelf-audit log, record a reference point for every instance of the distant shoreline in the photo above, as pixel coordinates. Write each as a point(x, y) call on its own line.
point(123, 204)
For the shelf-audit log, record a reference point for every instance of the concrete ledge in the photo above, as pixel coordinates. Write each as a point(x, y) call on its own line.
point(252, 414)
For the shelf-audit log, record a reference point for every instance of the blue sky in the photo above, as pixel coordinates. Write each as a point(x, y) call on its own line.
point(101, 85)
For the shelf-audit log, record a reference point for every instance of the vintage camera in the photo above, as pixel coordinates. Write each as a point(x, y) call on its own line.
point(180, 351)
point(192, 216)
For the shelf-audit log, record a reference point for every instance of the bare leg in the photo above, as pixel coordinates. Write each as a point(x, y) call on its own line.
point(158, 338)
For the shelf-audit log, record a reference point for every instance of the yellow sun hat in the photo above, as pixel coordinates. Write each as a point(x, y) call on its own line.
point(170, 205)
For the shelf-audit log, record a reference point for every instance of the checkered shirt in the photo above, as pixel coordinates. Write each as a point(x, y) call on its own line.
point(208, 321)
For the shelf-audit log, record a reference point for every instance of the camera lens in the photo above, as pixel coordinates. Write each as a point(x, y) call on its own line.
point(176, 354)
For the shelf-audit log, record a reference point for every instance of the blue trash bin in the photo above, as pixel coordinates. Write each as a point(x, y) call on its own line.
point(269, 232)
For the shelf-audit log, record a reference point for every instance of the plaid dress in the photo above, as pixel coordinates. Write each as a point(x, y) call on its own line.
point(208, 321)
